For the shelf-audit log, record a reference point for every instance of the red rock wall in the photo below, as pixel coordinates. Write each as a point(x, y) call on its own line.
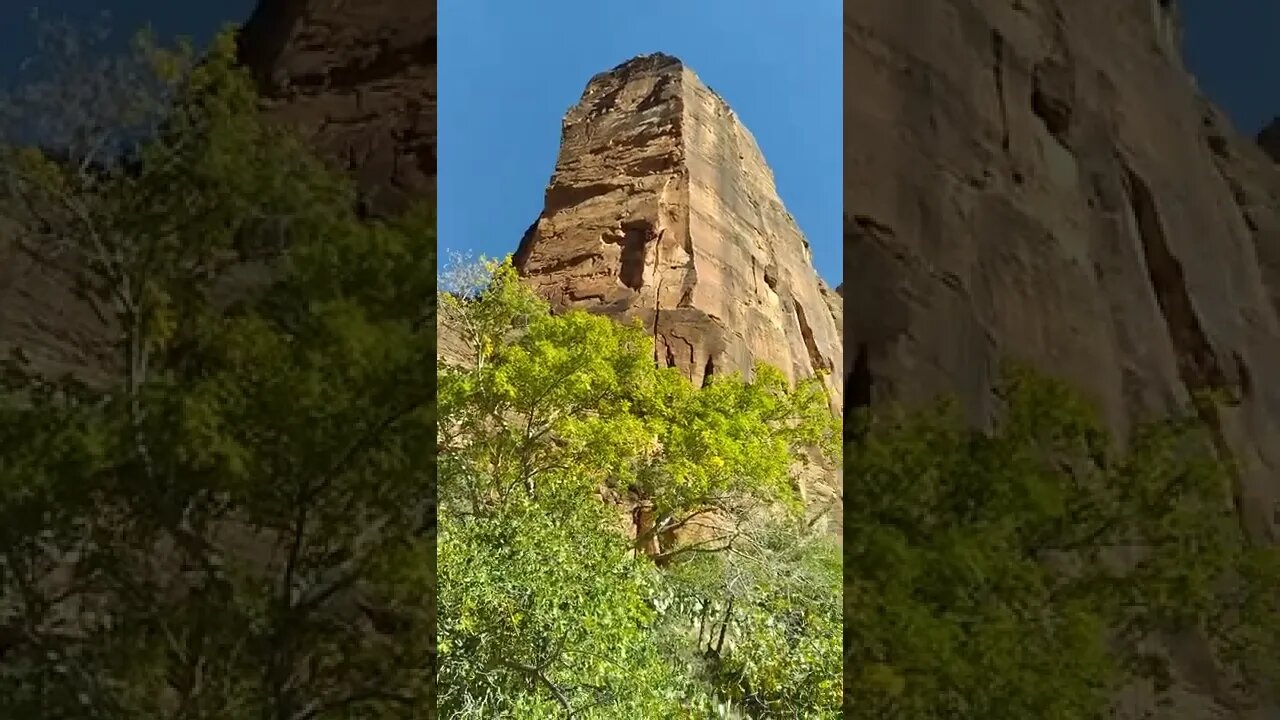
point(662, 209)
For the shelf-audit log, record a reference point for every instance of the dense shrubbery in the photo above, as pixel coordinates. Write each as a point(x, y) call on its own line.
point(547, 606)
point(1023, 572)
point(231, 516)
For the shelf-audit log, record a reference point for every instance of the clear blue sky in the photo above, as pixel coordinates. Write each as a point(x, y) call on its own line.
point(1231, 46)
point(197, 19)
point(509, 71)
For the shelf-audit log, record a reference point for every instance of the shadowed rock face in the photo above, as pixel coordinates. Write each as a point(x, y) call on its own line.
point(662, 210)
point(1269, 139)
point(1042, 180)
point(359, 80)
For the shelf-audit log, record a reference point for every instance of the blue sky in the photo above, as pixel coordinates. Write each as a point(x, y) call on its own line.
point(509, 71)
point(198, 19)
point(1231, 47)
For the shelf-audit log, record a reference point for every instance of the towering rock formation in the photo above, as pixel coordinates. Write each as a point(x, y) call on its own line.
point(359, 79)
point(662, 209)
point(1042, 180)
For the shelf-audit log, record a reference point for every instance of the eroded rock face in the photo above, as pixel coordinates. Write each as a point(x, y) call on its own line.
point(1041, 180)
point(41, 315)
point(359, 80)
point(662, 209)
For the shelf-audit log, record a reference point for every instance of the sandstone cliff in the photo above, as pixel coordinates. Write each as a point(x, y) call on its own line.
point(359, 80)
point(662, 209)
point(1042, 180)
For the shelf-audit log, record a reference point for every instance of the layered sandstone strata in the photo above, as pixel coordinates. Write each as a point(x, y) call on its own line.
point(661, 209)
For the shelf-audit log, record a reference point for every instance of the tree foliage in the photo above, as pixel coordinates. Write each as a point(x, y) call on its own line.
point(1032, 571)
point(232, 515)
point(549, 606)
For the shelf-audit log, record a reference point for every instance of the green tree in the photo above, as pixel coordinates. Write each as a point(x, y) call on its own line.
point(233, 516)
point(766, 619)
point(549, 425)
point(544, 614)
point(1024, 572)
point(575, 398)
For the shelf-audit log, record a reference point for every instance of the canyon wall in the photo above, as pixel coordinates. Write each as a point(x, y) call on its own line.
point(662, 209)
point(1041, 180)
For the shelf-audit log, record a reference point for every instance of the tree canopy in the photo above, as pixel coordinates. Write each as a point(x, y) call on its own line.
point(232, 515)
point(555, 601)
point(1034, 570)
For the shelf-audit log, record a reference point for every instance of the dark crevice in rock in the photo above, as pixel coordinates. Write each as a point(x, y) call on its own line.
point(1054, 112)
point(1243, 375)
point(771, 279)
point(857, 391)
point(521, 256)
point(560, 197)
point(709, 371)
point(1269, 139)
point(657, 300)
point(816, 361)
point(857, 394)
point(644, 136)
point(667, 341)
point(1218, 145)
point(266, 35)
point(635, 239)
point(1197, 362)
point(657, 316)
point(686, 298)
point(425, 155)
point(997, 69)
point(865, 225)
point(692, 350)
